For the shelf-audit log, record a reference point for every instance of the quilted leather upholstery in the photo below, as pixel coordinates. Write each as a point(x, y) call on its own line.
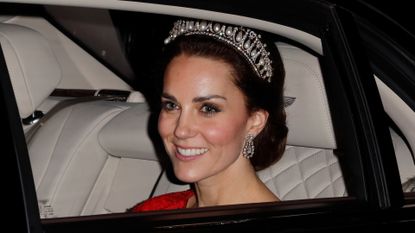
point(302, 173)
point(305, 173)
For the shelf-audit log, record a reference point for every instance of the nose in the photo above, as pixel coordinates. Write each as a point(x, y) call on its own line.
point(185, 126)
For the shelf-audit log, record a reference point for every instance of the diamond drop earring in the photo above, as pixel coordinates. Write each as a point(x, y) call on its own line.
point(248, 148)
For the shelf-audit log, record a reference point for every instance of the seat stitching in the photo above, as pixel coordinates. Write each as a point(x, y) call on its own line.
point(330, 172)
point(281, 172)
point(292, 189)
point(301, 174)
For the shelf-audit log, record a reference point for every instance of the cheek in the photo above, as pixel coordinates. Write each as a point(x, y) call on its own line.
point(223, 133)
point(165, 125)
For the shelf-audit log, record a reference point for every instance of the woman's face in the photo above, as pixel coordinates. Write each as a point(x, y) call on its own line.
point(204, 120)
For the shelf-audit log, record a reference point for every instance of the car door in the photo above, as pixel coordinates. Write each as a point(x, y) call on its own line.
point(18, 186)
point(365, 147)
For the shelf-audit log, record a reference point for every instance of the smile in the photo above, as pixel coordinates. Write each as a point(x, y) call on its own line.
point(192, 151)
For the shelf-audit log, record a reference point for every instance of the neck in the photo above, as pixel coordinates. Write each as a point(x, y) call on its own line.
point(235, 185)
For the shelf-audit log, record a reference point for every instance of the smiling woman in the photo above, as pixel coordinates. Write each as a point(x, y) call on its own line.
point(215, 127)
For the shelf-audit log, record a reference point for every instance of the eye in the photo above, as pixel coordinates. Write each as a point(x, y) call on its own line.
point(209, 109)
point(169, 106)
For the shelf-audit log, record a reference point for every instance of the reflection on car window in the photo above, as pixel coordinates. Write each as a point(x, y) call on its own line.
point(401, 116)
point(409, 185)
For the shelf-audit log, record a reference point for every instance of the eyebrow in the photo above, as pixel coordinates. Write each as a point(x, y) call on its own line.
point(168, 96)
point(196, 99)
point(209, 97)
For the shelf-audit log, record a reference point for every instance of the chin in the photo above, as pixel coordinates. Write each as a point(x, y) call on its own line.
point(186, 176)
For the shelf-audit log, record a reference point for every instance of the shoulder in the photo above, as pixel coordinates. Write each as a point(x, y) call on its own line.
point(169, 201)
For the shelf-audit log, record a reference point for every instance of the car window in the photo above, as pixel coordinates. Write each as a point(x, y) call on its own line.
point(394, 82)
point(401, 115)
point(79, 136)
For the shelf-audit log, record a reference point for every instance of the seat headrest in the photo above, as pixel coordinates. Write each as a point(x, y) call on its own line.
point(33, 68)
point(126, 135)
point(308, 118)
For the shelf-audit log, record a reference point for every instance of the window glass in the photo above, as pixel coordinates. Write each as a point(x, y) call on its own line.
point(402, 124)
point(81, 168)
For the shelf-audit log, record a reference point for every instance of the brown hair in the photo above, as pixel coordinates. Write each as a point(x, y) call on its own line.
point(259, 94)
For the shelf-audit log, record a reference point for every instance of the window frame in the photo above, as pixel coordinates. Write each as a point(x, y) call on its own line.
point(376, 187)
point(391, 60)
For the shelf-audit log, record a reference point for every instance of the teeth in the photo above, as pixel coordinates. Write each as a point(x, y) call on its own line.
point(192, 152)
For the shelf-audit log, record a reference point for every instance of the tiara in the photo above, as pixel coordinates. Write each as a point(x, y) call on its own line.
point(246, 41)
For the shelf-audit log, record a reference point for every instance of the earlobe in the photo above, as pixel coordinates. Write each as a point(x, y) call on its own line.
point(258, 120)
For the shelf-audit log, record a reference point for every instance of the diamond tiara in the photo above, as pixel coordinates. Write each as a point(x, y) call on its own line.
point(246, 41)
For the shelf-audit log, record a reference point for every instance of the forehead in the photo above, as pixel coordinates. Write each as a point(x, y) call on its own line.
point(198, 70)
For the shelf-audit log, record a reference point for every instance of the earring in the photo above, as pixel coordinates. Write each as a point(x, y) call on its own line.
point(248, 148)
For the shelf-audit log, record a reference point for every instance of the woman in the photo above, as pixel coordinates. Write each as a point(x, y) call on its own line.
point(222, 116)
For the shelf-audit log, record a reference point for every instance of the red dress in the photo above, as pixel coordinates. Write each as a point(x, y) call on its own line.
point(169, 201)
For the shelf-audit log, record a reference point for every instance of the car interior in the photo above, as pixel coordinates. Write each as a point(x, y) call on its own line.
point(100, 155)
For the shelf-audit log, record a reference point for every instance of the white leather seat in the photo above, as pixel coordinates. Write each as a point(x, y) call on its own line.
point(67, 159)
point(126, 138)
point(308, 168)
point(89, 160)
point(32, 67)
point(78, 165)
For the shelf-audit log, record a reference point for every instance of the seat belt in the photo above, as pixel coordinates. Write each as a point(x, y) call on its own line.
point(59, 106)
